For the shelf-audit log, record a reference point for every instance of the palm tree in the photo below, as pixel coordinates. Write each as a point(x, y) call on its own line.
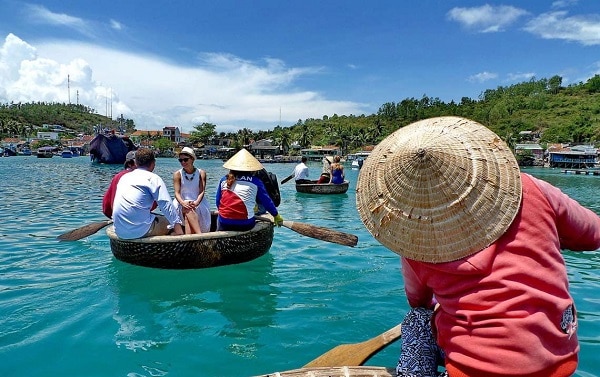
point(286, 140)
point(306, 136)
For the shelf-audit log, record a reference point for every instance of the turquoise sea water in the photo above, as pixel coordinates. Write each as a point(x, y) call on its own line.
point(72, 309)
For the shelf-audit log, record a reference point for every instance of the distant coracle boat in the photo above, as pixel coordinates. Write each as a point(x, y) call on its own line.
point(212, 249)
point(322, 188)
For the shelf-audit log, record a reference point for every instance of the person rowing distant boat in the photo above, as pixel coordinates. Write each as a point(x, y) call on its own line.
point(301, 171)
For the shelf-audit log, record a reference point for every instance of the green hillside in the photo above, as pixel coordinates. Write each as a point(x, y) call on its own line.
point(24, 119)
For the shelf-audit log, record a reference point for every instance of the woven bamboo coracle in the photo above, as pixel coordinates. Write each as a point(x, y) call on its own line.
point(323, 188)
point(194, 250)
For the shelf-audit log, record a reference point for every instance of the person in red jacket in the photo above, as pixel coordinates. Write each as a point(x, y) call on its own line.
point(480, 245)
point(109, 195)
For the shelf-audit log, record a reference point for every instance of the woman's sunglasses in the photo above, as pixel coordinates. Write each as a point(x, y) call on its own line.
point(183, 159)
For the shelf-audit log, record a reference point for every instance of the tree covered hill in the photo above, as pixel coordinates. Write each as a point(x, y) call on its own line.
point(559, 114)
point(23, 119)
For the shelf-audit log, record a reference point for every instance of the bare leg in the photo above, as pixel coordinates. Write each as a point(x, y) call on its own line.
point(191, 222)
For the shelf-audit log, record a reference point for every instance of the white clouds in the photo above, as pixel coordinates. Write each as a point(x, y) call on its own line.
point(116, 25)
point(510, 77)
point(519, 77)
point(486, 18)
point(482, 77)
point(563, 3)
point(225, 90)
point(27, 77)
point(40, 14)
point(551, 25)
point(556, 25)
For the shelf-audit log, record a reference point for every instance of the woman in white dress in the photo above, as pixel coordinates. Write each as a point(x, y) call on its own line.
point(190, 199)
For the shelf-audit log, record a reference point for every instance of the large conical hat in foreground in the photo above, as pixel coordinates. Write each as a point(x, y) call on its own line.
point(243, 161)
point(439, 189)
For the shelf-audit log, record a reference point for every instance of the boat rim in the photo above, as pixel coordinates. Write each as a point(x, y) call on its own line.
point(260, 225)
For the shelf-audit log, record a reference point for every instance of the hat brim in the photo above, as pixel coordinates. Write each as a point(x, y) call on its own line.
point(188, 154)
point(439, 189)
point(243, 161)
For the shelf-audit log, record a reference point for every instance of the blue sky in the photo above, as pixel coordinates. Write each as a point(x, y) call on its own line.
point(251, 63)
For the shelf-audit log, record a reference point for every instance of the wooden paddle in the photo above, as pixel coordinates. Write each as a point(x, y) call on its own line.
point(357, 353)
point(287, 179)
point(318, 232)
point(84, 231)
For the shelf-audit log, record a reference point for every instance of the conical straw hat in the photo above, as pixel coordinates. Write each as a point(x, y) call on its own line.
point(439, 189)
point(243, 161)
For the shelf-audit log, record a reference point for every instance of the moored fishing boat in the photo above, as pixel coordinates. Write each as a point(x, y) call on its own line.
point(45, 152)
point(322, 188)
point(110, 148)
point(212, 249)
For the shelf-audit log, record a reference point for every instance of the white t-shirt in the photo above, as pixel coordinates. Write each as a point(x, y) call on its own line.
point(301, 171)
point(136, 191)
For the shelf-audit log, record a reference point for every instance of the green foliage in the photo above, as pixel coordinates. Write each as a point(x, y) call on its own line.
point(202, 133)
point(24, 119)
point(44, 143)
point(163, 144)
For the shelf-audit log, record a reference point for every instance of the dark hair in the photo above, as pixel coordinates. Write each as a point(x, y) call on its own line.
point(144, 157)
point(230, 179)
point(303, 159)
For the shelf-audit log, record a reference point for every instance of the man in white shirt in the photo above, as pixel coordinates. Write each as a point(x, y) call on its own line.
point(301, 171)
point(136, 191)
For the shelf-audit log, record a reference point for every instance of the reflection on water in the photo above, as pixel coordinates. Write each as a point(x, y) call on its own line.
point(157, 307)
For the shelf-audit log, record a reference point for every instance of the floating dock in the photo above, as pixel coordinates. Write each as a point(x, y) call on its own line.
point(582, 171)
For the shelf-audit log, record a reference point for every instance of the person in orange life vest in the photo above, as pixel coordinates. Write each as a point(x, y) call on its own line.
point(480, 245)
point(236, 200)
point(109, 195)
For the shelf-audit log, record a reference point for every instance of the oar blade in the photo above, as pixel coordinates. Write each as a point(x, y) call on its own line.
point(358, 353)
point(287, 179)
point(84, 231)
point(321, 233)
point(342, 355)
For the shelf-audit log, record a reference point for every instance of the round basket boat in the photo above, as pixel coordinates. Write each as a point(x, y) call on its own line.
point(354, 371)
point(322, 188)
point(204, 250)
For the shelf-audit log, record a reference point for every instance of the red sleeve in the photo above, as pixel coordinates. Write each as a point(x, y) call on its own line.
point(109, 195)
point(578, 227)
point(417, 294)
